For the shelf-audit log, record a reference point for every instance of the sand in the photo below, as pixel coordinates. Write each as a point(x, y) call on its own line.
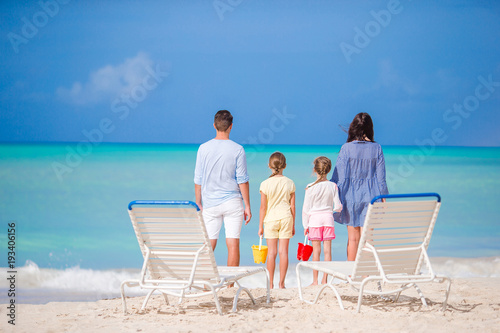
point(474, 306)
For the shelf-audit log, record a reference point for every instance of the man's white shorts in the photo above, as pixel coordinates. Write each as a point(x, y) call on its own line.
point(231, 212)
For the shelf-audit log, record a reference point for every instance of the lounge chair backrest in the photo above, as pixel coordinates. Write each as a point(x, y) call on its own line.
point(175, 234)
point(398, 231)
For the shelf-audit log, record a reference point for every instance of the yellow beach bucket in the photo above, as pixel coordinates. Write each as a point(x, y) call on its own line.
point(259, 253)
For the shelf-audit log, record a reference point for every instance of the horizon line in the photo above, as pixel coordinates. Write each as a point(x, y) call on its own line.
point(197, 144)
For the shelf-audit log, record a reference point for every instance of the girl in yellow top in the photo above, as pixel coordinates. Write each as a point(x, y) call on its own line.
point(277, 215)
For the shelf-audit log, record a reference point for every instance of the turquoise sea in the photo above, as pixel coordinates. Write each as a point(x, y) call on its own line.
point(69, 204)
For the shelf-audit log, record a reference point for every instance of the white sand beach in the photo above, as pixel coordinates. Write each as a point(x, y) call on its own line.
point(473, 306)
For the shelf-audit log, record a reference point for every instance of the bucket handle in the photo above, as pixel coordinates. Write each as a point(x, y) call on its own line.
point(260, 243)
point(306, 241)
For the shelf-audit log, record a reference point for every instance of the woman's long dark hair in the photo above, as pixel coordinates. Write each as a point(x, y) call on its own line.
point(361, 128)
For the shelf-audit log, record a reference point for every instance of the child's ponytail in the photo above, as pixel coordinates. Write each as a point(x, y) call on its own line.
point(277, 162)
point(322, 166)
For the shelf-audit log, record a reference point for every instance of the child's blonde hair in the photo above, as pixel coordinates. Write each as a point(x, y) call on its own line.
point(322, 166)
point(277, 162)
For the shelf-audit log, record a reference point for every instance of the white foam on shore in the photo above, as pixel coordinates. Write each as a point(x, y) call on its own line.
point(467, 267)
point(42, 285)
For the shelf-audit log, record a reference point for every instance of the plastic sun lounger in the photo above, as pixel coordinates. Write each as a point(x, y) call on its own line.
point(178, 257)
point(392, 250)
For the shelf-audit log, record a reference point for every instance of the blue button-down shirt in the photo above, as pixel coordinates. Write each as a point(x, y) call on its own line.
point(360, 175)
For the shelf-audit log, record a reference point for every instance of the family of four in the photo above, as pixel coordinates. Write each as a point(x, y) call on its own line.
point(222, 193)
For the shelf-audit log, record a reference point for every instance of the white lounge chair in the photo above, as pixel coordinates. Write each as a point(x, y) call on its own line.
point(178, 257)
point(392, 250)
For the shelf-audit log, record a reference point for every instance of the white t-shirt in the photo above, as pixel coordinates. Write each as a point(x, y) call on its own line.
point(320, 198)
point(221, 166)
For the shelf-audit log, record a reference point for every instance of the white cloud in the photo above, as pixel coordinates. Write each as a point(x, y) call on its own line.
point(107, 82)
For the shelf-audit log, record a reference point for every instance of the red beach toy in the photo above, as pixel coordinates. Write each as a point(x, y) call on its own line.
point(305, 250)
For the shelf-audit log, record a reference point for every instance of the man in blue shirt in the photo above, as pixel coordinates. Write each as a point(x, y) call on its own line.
point(221, 186)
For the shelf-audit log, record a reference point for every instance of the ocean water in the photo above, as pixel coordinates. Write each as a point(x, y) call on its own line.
point(74, 239)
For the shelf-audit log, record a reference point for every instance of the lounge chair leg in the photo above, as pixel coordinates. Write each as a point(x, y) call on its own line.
point(181, 296)
point(336, 293)
point(124, 302)
point(235, 300)
point(216, 298)
point(447, 292)
point(297, 272)
point(127, 283)
point(360, 296)
point(422, 297)
point(217, 303)
point(385, 298)
point(165, 298)
point(360, 299)
point(319, 294)
point(249, 294)
point(329, 285)
point(396, 297)
point(147, 299)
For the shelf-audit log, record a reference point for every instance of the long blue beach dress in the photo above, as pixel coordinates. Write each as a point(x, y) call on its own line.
point(360, 176)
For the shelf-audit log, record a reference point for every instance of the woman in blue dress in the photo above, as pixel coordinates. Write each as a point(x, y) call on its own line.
point(360, 176)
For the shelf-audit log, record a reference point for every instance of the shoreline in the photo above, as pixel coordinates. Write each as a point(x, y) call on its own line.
point(473, 305)
point(73, 284)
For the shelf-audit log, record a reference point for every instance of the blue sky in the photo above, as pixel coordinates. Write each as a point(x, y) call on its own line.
point(291, 72)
